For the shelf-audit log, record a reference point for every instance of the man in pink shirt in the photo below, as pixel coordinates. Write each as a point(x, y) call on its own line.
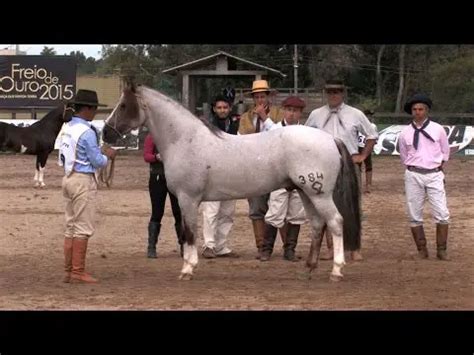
point(423, 146)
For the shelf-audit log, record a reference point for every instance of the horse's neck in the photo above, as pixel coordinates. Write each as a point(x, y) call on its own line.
point(54, 122)
point(169, 122)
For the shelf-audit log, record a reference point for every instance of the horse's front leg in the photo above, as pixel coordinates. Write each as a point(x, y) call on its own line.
point(189, 210)
point(39, 173)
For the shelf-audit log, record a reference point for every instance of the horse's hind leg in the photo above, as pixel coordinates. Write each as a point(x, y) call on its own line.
point(334, 223)
point(329, 214)
point(189, 211)
point(317, 223)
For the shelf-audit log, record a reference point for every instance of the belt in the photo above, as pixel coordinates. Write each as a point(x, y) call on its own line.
point(419, 170)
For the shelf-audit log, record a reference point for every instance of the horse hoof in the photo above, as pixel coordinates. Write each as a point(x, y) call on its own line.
point(336, 278)
point(186, 277)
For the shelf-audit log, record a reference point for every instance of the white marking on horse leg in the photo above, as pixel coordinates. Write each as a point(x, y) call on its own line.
point(338, 246)
point(190, 261)
point(36, 174)
point(41, 177)
point(339, 262)
point(23, 149)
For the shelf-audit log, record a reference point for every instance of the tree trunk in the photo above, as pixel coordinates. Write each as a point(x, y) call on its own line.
point(378, 76)
point(401, 76)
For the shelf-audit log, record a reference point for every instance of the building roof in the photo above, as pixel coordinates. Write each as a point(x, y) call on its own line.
point(198, 63)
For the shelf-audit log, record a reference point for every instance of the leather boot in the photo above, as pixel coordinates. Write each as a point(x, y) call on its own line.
point(442, 241)
point(291, 241)
point(153, 232)
point(181, 238)
point(283, 233)
point(368, 181)
point(67, 259)
point(419, 237)
point(79, 250)
point(268, 242)
point(259, 232)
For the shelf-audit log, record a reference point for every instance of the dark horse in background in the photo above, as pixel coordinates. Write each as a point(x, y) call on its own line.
point(37, 139)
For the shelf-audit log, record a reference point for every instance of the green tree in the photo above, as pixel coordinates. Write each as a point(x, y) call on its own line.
point(49, 51)
point(84, 65)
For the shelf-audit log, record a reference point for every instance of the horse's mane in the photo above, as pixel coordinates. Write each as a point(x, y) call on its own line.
point(51, 116)
point(214, 130)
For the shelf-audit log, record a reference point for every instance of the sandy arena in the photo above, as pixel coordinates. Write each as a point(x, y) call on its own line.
point(31, 257)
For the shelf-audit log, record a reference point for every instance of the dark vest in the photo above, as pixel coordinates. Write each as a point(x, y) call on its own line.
point(229, 125)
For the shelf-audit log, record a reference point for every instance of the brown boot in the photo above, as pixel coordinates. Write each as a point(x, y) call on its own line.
point(368, 181)
point(442, 241)
point(67, 259)
point(268, 242)
point(419, 237)
point(356, 255)
point(259, 232)
point(79, 250)
point(291, 241)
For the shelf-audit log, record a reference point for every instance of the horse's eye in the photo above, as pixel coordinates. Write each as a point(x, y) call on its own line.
point(122, 106)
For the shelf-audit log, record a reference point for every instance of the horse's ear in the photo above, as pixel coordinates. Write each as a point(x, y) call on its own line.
point(68, 112)
point(130, 84)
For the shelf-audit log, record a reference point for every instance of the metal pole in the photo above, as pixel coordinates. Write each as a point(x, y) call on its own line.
point(295, 66)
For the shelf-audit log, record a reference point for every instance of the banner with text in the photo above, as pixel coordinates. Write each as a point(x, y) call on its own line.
point(460, 140)
point(36, 81)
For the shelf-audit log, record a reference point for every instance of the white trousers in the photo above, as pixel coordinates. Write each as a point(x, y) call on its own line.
point(420, 186)
point(285, 206)
point(218, 218)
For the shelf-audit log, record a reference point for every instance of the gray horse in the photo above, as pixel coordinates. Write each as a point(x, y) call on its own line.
point(205, 164)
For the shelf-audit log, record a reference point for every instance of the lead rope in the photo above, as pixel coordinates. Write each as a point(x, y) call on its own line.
point(106, 174)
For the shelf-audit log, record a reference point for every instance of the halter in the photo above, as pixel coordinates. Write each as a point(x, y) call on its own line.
point(106, 175)
point(114, 127)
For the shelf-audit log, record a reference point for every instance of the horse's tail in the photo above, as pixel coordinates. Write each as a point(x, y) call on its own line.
point(347, 198)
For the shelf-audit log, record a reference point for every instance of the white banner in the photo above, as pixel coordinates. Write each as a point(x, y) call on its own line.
point(460, 138)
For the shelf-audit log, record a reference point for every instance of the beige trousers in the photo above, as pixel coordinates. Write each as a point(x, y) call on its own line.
point(80, 191)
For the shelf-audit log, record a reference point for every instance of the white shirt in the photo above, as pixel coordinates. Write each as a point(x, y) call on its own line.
point(362, 138)
point(353, 122)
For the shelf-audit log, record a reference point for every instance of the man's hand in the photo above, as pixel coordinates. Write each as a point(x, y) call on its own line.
point(261, 111)
point(158, 157)
point(108, 151)
point(358, 158)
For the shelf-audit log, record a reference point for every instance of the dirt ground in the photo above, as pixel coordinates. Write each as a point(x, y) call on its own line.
point(31, 259)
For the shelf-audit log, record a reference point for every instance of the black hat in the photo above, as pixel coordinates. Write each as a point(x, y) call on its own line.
point(334, 85)
point(417, 99)
point(86, 97)
point(221, 98)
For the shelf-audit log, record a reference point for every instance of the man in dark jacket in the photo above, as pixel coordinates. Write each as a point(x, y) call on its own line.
point(218, 216)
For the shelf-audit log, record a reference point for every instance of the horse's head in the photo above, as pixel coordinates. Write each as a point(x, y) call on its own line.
point(127, 115)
